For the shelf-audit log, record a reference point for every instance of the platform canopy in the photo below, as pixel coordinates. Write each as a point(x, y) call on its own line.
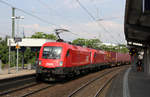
point(28, 42)
point(137, 22)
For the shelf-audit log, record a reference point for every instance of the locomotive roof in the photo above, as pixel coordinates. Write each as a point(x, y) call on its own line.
point(70, 46)
point(63, 44)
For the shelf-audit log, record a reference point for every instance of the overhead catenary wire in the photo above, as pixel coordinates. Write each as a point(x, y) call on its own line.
point(86, 10)
point(37, 17)
point(60, 15)
point(30, 14)
point(94, 19)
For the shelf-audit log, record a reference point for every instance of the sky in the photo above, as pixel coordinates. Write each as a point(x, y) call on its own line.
point(107, 25)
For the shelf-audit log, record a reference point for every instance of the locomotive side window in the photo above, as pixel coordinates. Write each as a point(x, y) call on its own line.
point(52, 52)
point(94, 55)
point(67, 53)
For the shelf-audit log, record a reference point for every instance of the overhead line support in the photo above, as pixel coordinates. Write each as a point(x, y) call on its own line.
point(13, 22)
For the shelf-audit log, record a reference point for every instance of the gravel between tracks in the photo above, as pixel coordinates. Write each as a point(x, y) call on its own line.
point(64, 89)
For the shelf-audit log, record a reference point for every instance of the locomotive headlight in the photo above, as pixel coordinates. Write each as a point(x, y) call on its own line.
point(61, 63)
point(40, 62)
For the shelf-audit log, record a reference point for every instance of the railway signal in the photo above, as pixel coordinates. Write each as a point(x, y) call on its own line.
point(17, 39)
point(133, 51)
point(17, 46)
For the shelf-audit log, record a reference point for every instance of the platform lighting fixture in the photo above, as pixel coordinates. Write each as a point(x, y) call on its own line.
point(133, 51)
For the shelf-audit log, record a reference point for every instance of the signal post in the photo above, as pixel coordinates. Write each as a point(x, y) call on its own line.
point(17, 39)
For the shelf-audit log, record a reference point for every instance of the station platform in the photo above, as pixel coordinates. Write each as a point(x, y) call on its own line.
point(130, 83)
point(13, 73)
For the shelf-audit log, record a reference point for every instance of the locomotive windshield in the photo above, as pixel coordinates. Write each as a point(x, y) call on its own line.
point(52, 52)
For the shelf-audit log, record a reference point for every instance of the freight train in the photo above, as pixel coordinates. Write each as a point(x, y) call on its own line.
point(63, 59)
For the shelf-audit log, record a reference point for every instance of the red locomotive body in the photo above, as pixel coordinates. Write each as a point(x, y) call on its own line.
point(58, 58)
point(99, 57)
point(61, 59)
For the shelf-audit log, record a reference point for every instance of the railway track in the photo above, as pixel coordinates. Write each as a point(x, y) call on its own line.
point(22, 86)
point(27, 90)
point(35, 88)
point(14, 84)
point(76, 93)
point(10, 83)
point(103, 86)
point(17, 89)
point(36, 91)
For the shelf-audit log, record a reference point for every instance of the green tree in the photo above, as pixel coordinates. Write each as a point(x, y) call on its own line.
point(92, 43)
point(4, 51)
point(80, 41)
point(50, 36)
point(118, 48)
point(38, 35)
point(44, 36)
point(122, 48)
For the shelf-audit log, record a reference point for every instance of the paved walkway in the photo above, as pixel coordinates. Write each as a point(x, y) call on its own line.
point(13, 73)
point(130, 83)
point(139, 84)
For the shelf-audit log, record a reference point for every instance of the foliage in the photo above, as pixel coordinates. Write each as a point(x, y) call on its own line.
point(97, 44)
point(4, 51)
point(44, 36)
point(79, 41)
point(92, 43)
point(118, 48)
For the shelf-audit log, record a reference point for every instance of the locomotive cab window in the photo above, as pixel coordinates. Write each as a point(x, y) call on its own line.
point(52, 52)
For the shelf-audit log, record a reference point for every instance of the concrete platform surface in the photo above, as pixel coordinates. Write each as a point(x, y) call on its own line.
point(139, 84)
point(130, 83)
point(13, 73)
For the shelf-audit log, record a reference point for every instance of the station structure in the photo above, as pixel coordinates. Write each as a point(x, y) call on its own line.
point(28, 42)
point(137, 29)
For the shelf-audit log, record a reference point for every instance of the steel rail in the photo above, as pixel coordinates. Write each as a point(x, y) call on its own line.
point(36, 91)
point(89, 82)
point(15, 81)
point(104, 85)
point(17, 89)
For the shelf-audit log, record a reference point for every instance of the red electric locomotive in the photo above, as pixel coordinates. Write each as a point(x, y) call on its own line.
point(58, 58)
point(62, 59)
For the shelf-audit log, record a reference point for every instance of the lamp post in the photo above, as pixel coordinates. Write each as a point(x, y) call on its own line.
point(17, 46)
